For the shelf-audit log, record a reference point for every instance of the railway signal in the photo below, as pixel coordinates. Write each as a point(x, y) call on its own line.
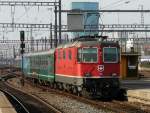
point(22, 45)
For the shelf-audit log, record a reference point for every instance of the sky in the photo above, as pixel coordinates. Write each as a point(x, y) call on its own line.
point(43, 15)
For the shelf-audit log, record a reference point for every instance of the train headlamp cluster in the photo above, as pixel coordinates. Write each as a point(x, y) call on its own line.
point(114, 74)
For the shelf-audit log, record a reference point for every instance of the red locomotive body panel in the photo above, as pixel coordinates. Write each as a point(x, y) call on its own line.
point(66, 66)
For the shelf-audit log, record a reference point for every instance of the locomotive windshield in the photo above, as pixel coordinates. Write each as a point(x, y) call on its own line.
point(89, 55)
point(110, 55)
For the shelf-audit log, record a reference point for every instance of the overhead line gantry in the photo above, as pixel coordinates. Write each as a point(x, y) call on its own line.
point(27, 3)
point(55, 3)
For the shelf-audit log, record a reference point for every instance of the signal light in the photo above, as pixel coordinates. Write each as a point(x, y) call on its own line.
point(22, 51)
point(22, 35)
point(22, 45)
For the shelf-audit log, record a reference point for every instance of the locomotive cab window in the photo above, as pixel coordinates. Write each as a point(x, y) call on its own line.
point(88, 55)
point(110, 55)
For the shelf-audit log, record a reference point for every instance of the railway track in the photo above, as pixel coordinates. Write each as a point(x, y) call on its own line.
point(114, 106)
point(32, 104)
point(17, 104)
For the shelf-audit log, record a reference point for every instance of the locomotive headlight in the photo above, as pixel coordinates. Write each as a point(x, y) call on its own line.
point(87, 74)
point(114, 74)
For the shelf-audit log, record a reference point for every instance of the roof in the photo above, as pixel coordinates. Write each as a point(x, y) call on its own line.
point(130, 54)
point(87, 43)
point(51, 51)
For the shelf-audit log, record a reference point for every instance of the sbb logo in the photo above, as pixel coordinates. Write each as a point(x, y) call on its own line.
point(100, 68)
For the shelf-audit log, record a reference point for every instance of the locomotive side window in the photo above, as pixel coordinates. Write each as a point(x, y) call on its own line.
point(79, 58)
point(59, 54)
point(70, 55)
point(110, 55)
point(64, 55)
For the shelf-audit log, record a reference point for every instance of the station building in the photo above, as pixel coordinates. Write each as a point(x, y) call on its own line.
point(129, 64)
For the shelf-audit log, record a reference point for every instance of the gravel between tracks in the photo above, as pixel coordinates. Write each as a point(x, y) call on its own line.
point(65, 104)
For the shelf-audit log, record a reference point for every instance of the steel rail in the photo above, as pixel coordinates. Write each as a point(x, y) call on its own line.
point(54, 109)
point(24, 109)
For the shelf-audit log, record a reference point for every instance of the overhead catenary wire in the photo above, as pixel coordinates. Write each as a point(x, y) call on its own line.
point(114, 3)
point(118, 3)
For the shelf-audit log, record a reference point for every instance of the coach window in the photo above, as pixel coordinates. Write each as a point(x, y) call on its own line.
point(70, 55)
point(64, 55)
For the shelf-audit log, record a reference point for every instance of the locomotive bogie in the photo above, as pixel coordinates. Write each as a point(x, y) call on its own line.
point(102, 87)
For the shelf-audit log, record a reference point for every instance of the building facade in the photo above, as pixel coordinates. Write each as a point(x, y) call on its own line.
point(91, 20)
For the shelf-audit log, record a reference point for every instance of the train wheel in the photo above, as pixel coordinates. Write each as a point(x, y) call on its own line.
point(79, 93)
point(55, 86)
point(85, 93)
point(40, 82)
point(44, 83)
point(51, 85)
point(122, 95)
point(74, 90)
point(70, 89)
point(60, 86)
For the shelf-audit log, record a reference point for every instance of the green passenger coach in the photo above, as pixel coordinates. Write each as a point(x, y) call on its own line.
point(39, 66)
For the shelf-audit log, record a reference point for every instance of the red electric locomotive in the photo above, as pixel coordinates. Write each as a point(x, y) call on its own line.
point(89, 64)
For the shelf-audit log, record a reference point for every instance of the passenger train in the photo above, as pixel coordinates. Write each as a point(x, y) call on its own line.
point(87, 64)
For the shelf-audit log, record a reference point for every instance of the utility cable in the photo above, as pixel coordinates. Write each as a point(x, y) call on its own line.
point(111, 4)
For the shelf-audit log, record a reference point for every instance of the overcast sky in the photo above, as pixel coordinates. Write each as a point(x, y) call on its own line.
point(43, 14)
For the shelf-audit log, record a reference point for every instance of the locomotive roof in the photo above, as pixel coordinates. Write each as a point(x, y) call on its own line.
point(51, 51)
point(88, 43)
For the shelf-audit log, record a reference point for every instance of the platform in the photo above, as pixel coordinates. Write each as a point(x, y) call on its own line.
point(139, 88)
point(5, 105)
